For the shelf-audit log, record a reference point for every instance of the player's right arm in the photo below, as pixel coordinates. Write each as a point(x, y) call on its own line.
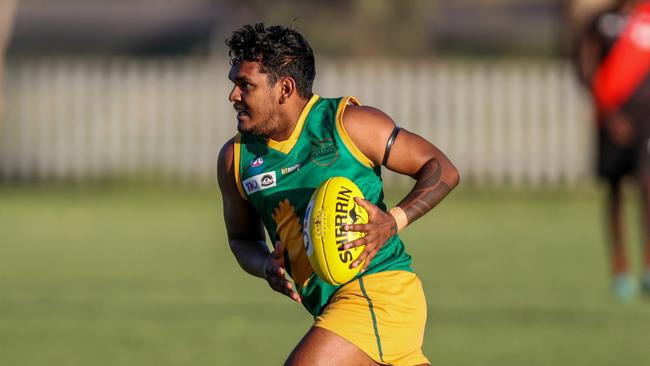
point(588, 59)
point(245, 230)
point(587, 53)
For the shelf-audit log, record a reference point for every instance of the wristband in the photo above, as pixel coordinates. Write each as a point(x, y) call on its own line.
point(400, 217)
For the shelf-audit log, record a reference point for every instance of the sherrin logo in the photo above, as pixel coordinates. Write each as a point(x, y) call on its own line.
point(341, 218)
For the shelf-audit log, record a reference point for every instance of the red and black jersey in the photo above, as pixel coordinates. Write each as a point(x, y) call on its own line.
point(622, 80)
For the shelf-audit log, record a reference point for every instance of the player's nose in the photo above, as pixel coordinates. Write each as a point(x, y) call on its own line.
point(235, 95)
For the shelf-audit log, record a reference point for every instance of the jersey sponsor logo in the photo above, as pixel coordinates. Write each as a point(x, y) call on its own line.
point(258, 161)
point(268, 179)
point(324, 152)
point(290, 169)
point(259, 182)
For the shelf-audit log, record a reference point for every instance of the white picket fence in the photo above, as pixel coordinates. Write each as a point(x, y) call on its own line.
point(501, 122)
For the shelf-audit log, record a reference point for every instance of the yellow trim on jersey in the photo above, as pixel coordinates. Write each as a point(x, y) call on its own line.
point(236, 157)
point(288, 144)
point(344, 135)
point(384, 314)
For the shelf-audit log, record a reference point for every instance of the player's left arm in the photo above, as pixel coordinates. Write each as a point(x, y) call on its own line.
point(410, 154)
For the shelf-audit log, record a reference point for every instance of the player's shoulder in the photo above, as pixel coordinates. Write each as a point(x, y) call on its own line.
point(227, 168)
point(368, 129)
point(366, 117)
point(226, 154)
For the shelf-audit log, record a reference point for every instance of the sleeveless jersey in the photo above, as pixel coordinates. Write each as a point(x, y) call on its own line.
point(621, 85)
point(612, 28)
point(278, 179)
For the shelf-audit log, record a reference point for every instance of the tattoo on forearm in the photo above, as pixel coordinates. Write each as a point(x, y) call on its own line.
point(427, 193)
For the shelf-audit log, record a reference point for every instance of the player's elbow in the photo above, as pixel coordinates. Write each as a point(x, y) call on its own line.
point(451, 175)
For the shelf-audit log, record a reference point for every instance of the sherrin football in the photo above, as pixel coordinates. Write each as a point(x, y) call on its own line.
point(332, 205)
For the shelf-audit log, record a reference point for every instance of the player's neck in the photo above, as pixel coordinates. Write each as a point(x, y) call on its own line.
point(289, 116)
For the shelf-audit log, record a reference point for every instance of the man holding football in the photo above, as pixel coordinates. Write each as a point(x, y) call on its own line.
point(290, 140)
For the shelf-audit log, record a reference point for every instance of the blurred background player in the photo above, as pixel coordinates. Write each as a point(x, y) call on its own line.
point(7, 11)
point(614, 63)
point(290, 141)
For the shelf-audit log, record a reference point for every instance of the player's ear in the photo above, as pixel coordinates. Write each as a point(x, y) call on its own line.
point(287, 87)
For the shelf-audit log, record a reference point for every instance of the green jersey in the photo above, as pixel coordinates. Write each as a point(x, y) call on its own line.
point(278, 179)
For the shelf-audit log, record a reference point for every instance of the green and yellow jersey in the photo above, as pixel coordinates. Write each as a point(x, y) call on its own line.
point(278, 179)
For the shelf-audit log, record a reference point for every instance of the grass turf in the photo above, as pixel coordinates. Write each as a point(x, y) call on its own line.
point(142, 275)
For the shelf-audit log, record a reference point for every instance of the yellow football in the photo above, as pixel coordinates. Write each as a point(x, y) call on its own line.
point(331, 206)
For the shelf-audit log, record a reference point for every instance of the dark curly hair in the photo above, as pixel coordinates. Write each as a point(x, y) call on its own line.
point(281, 51)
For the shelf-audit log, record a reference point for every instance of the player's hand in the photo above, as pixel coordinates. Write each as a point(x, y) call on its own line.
point(380, 227)
point(274, 273)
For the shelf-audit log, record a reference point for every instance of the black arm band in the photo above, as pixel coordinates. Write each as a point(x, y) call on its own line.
point(389, 144)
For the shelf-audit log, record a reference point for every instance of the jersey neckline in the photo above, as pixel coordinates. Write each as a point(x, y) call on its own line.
point(288, 144)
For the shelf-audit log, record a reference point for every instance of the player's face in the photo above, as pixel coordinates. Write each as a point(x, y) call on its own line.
point(253, 99)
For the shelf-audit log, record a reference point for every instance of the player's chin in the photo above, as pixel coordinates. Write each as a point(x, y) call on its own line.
point(252, 128)
point(245, 125)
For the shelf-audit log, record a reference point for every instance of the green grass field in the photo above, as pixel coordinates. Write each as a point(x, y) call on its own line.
point(125, 275)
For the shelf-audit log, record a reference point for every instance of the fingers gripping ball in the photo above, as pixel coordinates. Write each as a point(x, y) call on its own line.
point(332, 205)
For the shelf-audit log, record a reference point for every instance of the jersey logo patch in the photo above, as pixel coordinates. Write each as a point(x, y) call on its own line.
point(290, 169)
point(258, 161)
point(324, 152)
point(259, 182)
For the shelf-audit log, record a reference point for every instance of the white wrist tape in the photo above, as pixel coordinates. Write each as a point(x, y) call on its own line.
point(400, 217)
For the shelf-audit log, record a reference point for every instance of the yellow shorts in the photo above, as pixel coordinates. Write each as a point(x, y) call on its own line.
point(383, 314)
